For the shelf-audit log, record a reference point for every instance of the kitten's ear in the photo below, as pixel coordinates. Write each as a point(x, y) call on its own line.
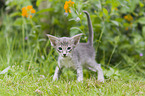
point(52, 39)
point(76, 38)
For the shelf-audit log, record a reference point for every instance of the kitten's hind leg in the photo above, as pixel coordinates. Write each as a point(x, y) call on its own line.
point(57, 73)
point(96, 67)
point(100, 73)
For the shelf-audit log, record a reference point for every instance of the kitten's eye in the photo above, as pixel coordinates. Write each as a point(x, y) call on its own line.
point(68, 48)
point(59, 48)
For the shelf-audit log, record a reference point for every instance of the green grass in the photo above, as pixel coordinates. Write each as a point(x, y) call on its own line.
point(32, 68)
point(31, 72)
point(19, 82)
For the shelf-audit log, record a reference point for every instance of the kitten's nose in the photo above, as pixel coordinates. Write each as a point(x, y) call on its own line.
point(64, 55)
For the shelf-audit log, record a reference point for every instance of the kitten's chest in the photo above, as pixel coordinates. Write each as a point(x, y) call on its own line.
point(67, 62)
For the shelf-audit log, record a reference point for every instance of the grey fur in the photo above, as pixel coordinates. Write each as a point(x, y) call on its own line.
point(91, 32)
point(76, 55)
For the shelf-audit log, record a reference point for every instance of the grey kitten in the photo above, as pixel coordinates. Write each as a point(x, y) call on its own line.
point(76, 55)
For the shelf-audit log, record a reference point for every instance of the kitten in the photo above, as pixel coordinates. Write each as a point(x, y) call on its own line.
point(76, 55)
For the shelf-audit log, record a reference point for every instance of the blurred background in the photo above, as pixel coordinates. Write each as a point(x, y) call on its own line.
point(119, 34)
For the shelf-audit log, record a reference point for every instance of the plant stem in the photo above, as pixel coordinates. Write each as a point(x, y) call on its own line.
point(111, 54)
point(23, 35)
point(100, 36)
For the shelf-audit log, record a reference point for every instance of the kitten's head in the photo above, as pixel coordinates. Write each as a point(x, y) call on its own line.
point(64, 45)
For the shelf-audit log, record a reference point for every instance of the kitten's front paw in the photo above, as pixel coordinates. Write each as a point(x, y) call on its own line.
point(80, 80)
point(101, 80)
point(55, 78)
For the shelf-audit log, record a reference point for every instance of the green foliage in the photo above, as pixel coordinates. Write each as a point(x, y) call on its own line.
point(20, 82)
point(119, 41)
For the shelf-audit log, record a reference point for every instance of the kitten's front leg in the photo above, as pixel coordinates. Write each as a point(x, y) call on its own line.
point(80, 73)
point(57, 73)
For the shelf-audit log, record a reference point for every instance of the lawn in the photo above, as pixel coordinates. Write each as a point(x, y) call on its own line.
point(27, 60)
point(20, 82)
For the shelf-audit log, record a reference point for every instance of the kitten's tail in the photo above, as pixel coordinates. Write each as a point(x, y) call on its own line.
point(90, 39)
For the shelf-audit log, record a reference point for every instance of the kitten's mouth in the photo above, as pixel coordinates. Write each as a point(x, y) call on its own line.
point(64, 55)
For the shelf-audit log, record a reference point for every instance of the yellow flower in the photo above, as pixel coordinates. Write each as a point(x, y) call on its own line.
point(69, 11)
point(27, 11)
point(72, 2)
point(24, 12)
point(67, 6)
point(128, 17)
point(33, 11)
point(126, 28)
point(30, 16)
point(29, 7)
point(24, 8)
point(116, 9)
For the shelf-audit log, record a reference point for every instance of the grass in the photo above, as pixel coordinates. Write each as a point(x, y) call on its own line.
point(30, 83)
point(32, 68)
point(31, 75)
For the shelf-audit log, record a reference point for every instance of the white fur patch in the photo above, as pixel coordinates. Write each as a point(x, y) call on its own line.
point(67, 62)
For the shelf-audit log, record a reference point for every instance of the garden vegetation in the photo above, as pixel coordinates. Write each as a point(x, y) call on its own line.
point(27, 60)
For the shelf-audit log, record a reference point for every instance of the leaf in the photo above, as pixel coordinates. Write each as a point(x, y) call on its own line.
point(15, 14)
point(141, 20)
point(109, 73)
point(116, 77)
point(143, 31)
point(125, 46)
point(112, 70)
point(141, 4)
point(116, 39)
point(76, 28)
point(99, 5)
point(5, 70)
point(133, 5)
point(25, 3)
point(105, 11)
point(115, 22)
point(45, 10)
point(117, 73)
point(100, 14)
point(18, 22)
point(38, 2)
point(41, 40)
